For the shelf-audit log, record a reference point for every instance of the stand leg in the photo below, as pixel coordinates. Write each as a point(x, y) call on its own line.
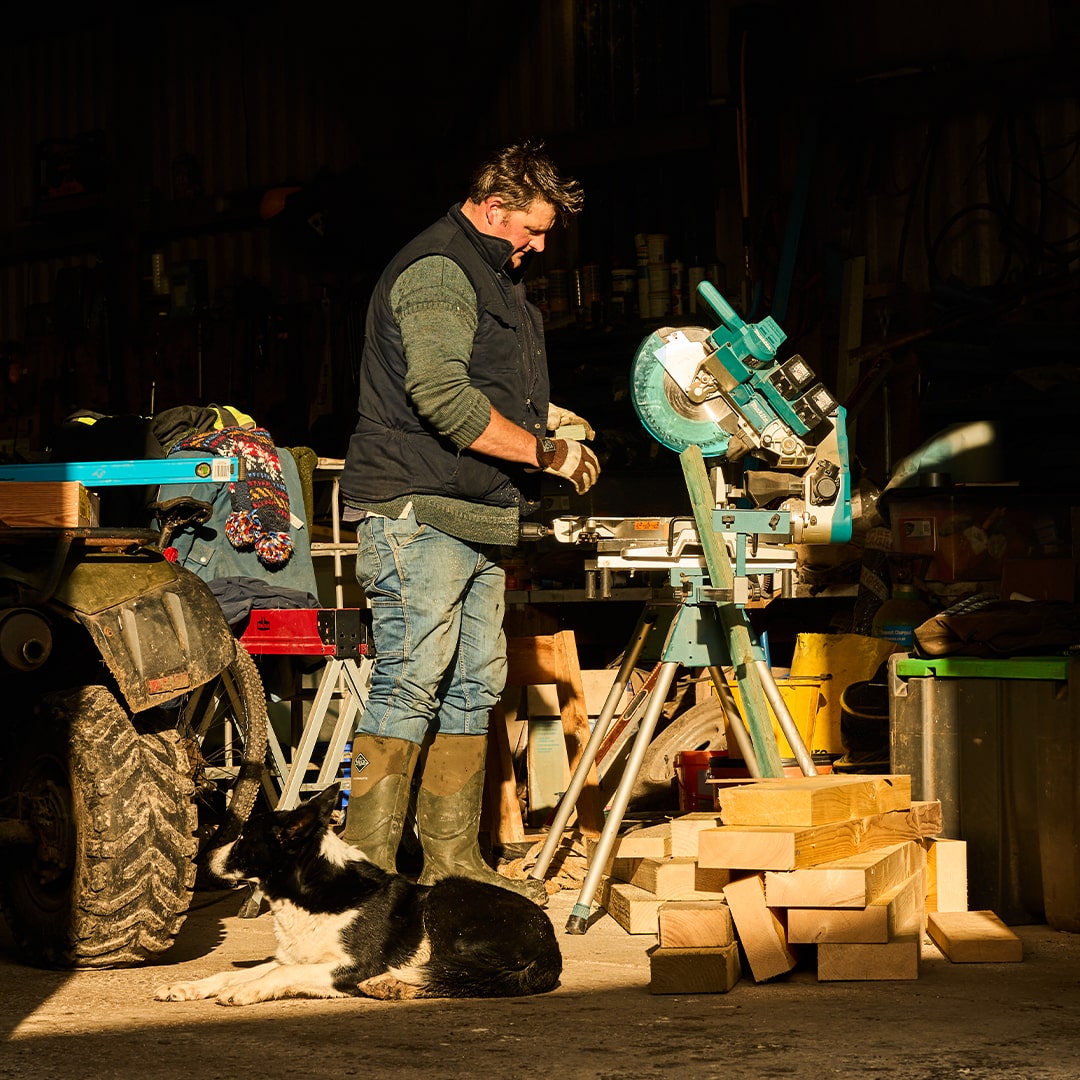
point(588, 755)
point(290, 793)
point(783, 716)
point(579, 918)
point(352, 699)
point(735, 720)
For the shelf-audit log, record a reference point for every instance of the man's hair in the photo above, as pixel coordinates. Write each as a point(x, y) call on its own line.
point(523, 173)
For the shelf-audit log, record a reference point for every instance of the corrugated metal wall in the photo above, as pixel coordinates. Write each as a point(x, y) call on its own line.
point(262, 98)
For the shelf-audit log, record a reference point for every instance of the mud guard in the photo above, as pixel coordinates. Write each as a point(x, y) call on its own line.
point(158, 627)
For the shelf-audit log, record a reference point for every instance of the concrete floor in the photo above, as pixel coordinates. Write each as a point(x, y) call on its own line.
point(1017, 1021)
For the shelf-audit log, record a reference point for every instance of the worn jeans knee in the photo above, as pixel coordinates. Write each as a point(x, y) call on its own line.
point(437, 608)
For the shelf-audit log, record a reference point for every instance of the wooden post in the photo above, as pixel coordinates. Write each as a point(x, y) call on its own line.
point(731, 617)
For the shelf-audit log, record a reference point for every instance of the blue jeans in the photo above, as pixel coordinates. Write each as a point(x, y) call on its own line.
point(437, 608)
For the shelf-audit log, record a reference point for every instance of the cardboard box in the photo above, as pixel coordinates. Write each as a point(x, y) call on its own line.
point(34, 504)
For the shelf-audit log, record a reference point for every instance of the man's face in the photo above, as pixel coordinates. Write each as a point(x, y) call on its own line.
point(525, 229)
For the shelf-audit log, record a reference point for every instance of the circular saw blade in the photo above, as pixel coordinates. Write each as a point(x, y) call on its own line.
point(666, 412)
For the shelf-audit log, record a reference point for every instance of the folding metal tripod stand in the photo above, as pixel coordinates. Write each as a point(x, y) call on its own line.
point(703, 629)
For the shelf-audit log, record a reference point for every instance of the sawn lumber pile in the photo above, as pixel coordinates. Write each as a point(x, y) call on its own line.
point(837, 870)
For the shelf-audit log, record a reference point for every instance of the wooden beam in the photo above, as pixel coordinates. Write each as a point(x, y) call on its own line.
point(693, 971)
point(967, 937)
point(685, 829)
point(634, 909)
point(895, 912)
point(33, 504)
point(764, 847)
point(813, 800)
point(672, 878)
point(762, 930)
point(650, 842)
point(740, 646)
point(898, 958)
point(851, 882)
point(695, 924)
point(946, 875)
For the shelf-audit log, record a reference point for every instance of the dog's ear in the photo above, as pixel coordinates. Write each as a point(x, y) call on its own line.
point(327, 801)
point(310, 817)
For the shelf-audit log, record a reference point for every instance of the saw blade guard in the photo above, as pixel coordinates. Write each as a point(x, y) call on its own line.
point(663, 360)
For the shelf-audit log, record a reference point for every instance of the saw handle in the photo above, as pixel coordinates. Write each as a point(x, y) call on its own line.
point(721, 308)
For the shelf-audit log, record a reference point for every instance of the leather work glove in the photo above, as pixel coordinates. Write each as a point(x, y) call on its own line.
point(569, 459)
point(558, 417)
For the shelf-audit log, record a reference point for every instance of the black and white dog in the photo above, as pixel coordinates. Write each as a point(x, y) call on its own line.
point(345, 927)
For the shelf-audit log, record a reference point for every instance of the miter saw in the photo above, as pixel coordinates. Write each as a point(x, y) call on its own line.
point(726, 393)
point(720, 395)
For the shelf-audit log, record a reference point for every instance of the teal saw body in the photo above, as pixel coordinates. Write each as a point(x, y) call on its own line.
point(725, 392)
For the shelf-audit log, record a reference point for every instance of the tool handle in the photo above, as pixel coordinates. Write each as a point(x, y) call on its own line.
point(721, 308)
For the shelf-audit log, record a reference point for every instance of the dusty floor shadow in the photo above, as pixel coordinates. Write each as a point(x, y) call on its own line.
point(198, 937)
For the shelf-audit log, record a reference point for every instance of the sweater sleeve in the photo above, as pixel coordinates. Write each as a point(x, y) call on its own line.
point(434, 304)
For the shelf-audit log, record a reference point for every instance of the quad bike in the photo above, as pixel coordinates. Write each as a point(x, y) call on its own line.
point(135, 741)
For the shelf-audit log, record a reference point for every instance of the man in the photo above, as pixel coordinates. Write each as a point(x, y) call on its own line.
point(452, 434)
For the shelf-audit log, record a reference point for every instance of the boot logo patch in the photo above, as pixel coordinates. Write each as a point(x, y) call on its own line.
point(359, 763)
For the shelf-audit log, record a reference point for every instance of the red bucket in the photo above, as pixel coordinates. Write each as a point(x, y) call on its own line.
point(692, 775)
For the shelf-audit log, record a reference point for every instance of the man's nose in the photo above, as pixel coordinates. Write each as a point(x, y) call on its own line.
point(537, 243)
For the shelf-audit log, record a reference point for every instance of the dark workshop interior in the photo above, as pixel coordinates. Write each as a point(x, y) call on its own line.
point(198, 198)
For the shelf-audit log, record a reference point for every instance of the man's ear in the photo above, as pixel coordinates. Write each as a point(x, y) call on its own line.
point(493, 208)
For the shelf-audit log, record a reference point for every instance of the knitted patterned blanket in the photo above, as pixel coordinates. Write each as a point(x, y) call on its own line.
point(260, 517)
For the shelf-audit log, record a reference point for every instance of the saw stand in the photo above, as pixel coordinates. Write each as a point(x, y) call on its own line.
point(704, 628)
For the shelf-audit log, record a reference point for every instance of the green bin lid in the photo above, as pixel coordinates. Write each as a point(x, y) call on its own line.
point(981, 667)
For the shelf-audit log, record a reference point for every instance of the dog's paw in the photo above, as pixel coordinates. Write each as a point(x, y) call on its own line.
point(387, 988)
point(184, 991)
point(241, 995)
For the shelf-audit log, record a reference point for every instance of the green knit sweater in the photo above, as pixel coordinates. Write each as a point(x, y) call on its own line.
point(435, 306)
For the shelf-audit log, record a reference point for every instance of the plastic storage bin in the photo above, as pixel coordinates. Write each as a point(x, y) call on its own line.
point(998, 743)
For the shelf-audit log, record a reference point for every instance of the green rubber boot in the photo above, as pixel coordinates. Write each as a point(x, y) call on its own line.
point(382, 771)
point(448, 816)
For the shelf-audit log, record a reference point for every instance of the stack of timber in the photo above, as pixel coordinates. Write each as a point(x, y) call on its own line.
point(656, 886)
point(841, 869)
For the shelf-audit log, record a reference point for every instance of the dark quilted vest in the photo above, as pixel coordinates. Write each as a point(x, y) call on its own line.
point(393, 451)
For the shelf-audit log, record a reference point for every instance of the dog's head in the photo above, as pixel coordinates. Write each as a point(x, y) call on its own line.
point(275, 840)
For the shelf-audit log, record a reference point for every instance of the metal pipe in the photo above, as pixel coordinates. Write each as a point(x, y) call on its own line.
point(570, 797)
point(783, 715)
point(578, 922)
point(736, 724)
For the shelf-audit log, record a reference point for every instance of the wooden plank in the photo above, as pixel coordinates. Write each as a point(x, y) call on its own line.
point(501, 808)
point(897, 958)
point(34, 504)
point(694, 924)
point(685, 829)
point(973, 937)
point(734, 620)
point(634, 909)
point(553, 659)
point(851, 882)
point(946, 875)
point(895, 912)
point(672, 878)
point(792, 848)
point(761, 929)
point(693, 971)
point(651, 842)
point(813, 800)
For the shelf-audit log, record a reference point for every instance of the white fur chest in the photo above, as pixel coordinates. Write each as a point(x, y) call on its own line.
point(304, 938)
